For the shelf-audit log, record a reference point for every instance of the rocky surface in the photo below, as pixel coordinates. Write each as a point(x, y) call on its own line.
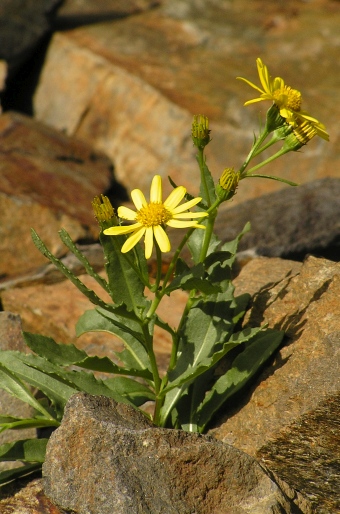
point(147, 469)
point(131, 86)
point(128, 82)
point(301, 383)
point(47, 181)
point(29, 499)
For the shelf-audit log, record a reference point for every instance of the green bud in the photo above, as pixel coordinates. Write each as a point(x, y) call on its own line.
point(200, 131)
point(227, 184)
point(103, 210)
point(302, 133)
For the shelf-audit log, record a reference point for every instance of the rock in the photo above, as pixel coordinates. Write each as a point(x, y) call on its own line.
point(23, 24)
point(147, 469)
point(80, 12)
point(291, 223)
point(11, 339)
point(47, 181)
point(30, 499)
point(302, 381)
point(306, 455)
point(134, 97)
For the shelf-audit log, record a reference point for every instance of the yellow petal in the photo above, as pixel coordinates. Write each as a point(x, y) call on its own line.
point(250, 84)
point(148, 242)
point(138, 199)
point(162, 239)
point(181, 224)
point(133, 240)
point(264, 75)
point(117, 231)
point(156, 189)
point(175, 197)
point(126, 213)
point(254, 100)
point(186, 205)
point(189, 215)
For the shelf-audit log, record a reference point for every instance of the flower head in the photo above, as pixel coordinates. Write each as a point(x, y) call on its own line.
point(227, 184)
point(287, 99)
point(151, 217)
point(102, 208)
point(200, 131)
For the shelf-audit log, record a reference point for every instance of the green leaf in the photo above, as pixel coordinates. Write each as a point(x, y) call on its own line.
point(135, 392)
point(53, 387)
point(177, 387)
point(25, 450)
point(207, 189)
point(99, 320)
point(193, 278)
point(12, 423)
point(66, 239)
point(68, 354)
point(279, 179)
point(125, 283)
point(195, 243)
point(243, 368)
point(207, 327)
point(91, 295)
point(231, 246)
point(17, 473)
point(11, 383)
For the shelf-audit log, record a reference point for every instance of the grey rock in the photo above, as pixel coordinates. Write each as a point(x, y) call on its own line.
point(290, 223)
point(106, 458)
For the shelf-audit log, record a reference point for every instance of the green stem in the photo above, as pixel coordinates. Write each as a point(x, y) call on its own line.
point(208, 232)
point(281, 152)
point(148, 338)
point(254, 150)
point(273, 140)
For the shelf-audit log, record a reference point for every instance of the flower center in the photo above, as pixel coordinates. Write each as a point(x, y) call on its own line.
point(288, 97)
point(153, 214)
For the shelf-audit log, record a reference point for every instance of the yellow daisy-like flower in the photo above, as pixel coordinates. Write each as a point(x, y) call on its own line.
point(287, 99)
point(150, 217)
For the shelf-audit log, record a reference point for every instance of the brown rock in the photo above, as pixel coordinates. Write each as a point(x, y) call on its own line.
point(30, 499)
point(134, 97)
point(47, 181)
point(147, 469)
point(306, 306)
point(301, 383)
point(307, 454)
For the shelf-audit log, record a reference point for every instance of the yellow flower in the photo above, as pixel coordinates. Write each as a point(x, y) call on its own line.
point(287, 99)
point(151, 217)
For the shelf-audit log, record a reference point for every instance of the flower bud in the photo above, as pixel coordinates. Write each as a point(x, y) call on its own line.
point(302, 133)
point(200, 131)
point(227, 184)
point(102, 208)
